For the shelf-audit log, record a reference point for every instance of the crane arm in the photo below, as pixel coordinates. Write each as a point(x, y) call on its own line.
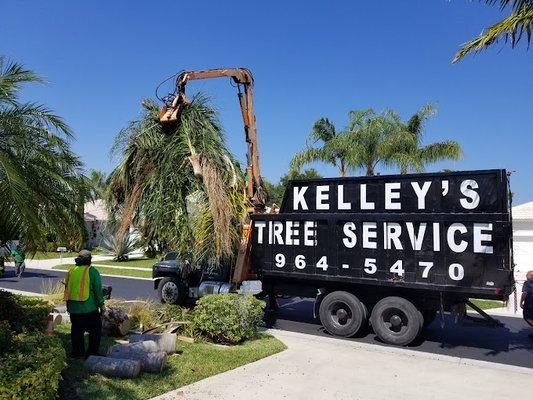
point(242, 77)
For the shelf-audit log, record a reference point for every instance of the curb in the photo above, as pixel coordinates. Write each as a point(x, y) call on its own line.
point(402, 352)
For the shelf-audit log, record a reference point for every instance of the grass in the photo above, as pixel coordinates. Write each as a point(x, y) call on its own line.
point(134, 263)
point(197, 361)
point(113, 271)
point(47, 255)
point(487, 304)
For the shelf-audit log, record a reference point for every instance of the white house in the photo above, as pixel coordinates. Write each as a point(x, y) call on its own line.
point(522, 248)
point(95, 216)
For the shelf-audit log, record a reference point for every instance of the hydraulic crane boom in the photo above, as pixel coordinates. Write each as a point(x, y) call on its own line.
point(170, 113)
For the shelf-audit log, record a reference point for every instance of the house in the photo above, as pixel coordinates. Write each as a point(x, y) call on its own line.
point(95, 216)
point(522, 249)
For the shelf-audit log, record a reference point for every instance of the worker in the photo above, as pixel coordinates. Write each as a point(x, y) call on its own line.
point(526, 301)
point(18, 255)
point(85, 304)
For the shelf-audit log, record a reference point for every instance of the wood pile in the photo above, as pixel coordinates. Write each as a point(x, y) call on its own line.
point(147, 353)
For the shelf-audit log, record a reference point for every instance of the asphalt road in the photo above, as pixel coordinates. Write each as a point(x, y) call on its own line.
point(33, 280)
point(506, 345)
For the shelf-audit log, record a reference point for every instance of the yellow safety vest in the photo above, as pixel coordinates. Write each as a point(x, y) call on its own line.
point(77, 283)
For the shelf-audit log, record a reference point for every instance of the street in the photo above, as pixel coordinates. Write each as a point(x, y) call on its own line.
point(507, 345)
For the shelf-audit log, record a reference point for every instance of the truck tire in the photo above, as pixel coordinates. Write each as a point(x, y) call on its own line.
point(171, 291)
point(342, 314)
point(396, 320)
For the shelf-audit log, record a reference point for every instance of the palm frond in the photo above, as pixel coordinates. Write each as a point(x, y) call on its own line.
point(511, 29)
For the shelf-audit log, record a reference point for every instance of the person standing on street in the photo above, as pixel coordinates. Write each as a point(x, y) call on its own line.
point(85, 303)
point(526, 301)
point(18, 255)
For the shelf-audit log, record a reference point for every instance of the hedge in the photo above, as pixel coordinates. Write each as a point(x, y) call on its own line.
point(227, 318)
point(31, 369)
point(24, 314)
point(30, 362)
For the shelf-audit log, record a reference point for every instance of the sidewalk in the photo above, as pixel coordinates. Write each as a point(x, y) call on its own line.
point(326, 368)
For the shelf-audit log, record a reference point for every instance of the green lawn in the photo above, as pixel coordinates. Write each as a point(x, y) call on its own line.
point(197, 361)
point(47, 255)
point(134, 263)
point(113, 271)
point(487, 304)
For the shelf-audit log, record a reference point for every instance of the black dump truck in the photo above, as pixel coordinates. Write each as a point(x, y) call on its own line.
point(389, 251)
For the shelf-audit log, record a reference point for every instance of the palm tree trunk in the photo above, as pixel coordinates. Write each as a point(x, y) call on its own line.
point(370, 169)
point(403, 169)
point(342, 169)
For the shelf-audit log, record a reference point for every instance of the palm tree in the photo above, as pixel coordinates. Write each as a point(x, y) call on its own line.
point(41, 187)
point(333, 148)
point(513, 28)
point(96, 181)
point(179, 187)
point(415, 157)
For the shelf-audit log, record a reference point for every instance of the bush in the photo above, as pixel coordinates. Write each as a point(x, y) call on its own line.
point(23, 314)
point(31, 369)
point(227, 318)
point(5, 336)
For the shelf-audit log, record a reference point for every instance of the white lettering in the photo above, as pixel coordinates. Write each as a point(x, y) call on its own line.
point(298, 198)
point(416, 239)
point(421, 193)
point(278, 229)
point(452, 244)
point(369, 232)
point(436, 236)
point(467, 187)
point(392, 231)
point(480, 236)
point(341, 204)
point(349, 231)
point(322, 194)
point(309, 233)
point(260, 225)
point(365, 205)
point(391, 195)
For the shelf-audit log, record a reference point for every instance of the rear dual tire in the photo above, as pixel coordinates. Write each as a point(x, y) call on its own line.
point(396, 320)
point(342, 314)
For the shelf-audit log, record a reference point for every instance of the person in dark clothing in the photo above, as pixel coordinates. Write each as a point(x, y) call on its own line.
point(85, 303)
point(526, 301)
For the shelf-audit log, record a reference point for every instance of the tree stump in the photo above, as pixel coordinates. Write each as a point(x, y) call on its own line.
point(117, 367)
point(150, 362)
point(165, 341)
point(116, 322)
point(148, 346)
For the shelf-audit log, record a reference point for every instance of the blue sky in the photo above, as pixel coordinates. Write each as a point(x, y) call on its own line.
point(310, 59)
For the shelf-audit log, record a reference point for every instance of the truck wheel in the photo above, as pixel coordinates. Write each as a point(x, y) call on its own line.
point(171, 291)
point(342, 314)
point(396, 320)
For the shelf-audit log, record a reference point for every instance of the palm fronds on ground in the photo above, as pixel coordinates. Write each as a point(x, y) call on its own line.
point(180, 187)
point(41, 187)
point(517, 25)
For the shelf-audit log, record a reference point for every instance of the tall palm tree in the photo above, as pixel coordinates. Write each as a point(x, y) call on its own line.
point(375, 139)
point(414, 156)
point(41, 187)
point(180, 187)
point(332, 149)
point(513, 28)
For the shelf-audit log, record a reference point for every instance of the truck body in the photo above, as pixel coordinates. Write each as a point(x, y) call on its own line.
point(389, 250)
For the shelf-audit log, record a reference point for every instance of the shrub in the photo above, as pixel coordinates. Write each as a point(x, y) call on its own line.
point(227, 318)
point(147, 313)
point(31, 369)
point(5, 336)
point(23, 313)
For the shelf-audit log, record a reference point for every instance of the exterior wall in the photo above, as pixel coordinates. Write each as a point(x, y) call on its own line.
point(523, 258)
point(95, 232)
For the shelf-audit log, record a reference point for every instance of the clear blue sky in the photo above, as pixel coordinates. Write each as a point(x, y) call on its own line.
point(310, 59)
